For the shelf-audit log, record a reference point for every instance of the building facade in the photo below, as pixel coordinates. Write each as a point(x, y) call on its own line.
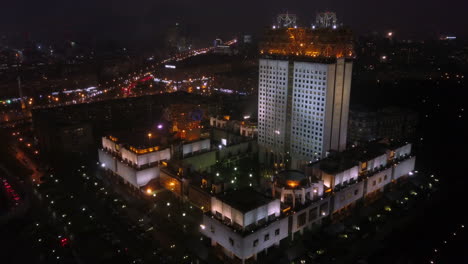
point(390, 122)
point(303, 107)
point(244, 223)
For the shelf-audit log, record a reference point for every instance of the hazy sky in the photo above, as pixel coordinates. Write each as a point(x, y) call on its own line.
point(145, 20)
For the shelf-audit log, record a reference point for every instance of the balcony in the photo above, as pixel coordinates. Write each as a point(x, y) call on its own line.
point(244, 231)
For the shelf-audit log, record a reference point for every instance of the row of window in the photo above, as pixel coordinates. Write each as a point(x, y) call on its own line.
point(309, 71)
point(380, 180)
point(272, 67)
point(308, 77)
point(266, 237)
point(313, 215)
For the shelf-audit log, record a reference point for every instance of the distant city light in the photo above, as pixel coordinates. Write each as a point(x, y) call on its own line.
point(390, 34)
point(170, 66)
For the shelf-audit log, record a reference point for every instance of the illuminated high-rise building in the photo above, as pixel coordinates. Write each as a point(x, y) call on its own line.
point(303, 98)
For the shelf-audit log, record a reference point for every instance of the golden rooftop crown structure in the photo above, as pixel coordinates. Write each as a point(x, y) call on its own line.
point(326, 39)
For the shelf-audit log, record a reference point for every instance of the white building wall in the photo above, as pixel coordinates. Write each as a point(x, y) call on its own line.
point(152, 157)
point(219, 123)
point(319, 100)
point(280, 224)
point(403, 167)
point(146, 175)
point(248, 131)
point(272, 208)
point(226, 211)
point(344, 115)
point(135, 177)
point(143, 159)
point(379, 180)
point(108, 160)
point(201, 145)
point(348, 195)
point(129, 155)
point(308, 110)
point(313, 208)
point(272, 103)
point(109, 144)
point(329, 104)
point(245, 219)
point(377, 162)
point(244, 246)
point(346, 175)
point(127, 173)
point(403, 150)
point(337, 105)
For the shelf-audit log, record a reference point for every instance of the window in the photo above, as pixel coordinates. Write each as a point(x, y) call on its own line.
point(385, 177)
point(218, 214)
point(212, 229)
point(267, 237)
point(356, 192)
point(301, 220)
point(312, 214)
point(271, 217)
point(255, 243)
point(231, 241)
point(373, 183)
point(277, 232)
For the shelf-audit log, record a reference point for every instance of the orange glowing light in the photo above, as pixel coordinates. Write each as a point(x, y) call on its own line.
point(292, 184)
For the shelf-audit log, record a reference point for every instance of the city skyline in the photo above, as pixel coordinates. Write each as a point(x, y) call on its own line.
point(143, 21)
point(272, 136)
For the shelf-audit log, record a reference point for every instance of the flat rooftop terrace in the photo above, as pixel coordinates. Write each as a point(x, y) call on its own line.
point(245, 200)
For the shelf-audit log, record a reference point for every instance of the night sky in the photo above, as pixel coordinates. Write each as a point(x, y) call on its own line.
point(145, 20)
